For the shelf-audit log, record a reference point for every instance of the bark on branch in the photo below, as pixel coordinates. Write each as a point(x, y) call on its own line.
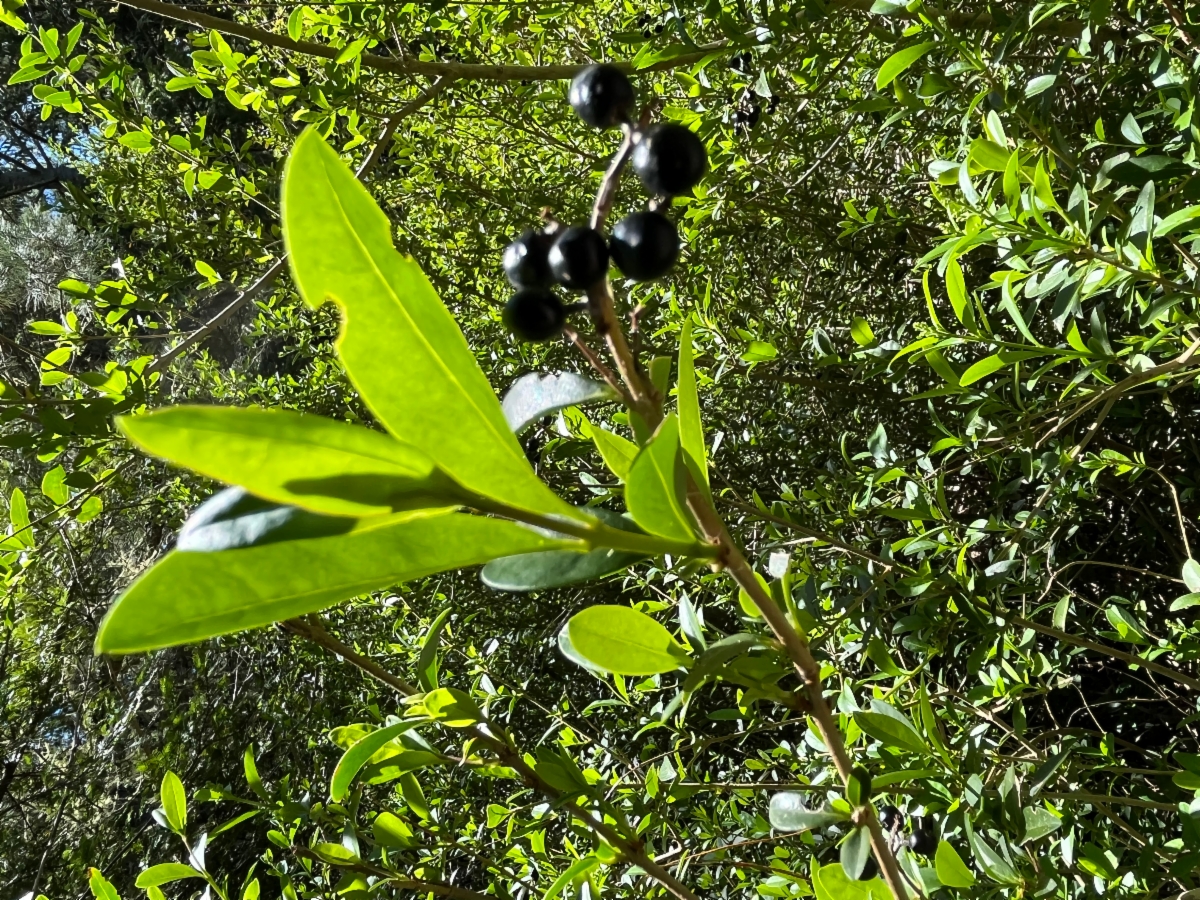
point(396, 65)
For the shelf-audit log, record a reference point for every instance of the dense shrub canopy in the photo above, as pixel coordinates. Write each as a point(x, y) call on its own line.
point(941, 284)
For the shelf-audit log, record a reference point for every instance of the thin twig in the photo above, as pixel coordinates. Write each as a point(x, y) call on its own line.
point(407, 65)
point(631, 849)
point(610, 377)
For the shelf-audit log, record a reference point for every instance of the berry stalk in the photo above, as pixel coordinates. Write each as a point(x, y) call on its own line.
point(666, 165)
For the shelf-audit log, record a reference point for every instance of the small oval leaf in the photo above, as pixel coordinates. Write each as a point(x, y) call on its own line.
point(624, 641)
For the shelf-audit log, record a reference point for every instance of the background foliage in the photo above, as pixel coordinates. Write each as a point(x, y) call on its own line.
point(943, 285)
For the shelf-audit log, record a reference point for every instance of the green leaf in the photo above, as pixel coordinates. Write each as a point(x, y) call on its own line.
point(832, 883)
point(989, 155)
point(533, 396)
point(359, 755)
point(427, 663)
point(858, 790)
point(400, 345)
point(624, 641)
point(1039, 822)
point(165, 873)
point(891, 727)
point(1185, 602)
point(54, 486)
point(452, 707)
point(654, 490)
point(100, 887)
point(18, 515)
point(351, 51)
point(295, 23)
point(1131, 131)
point(1191, 575)
point(251, 771)
point(309, 461)
point(1061, 609)
point(687, 397)
point(1047, 770)
point(190, 596)
point(788, 812)
point(232, 518)
point(956, 288)
point(134, 140)
point(617, 452)
point(855, 851)
point(413, 795)
point(557, 568)
point(860, 330)
point(392, 831)
point(982, 369)
point(335, 854)
point(577, 869)
point(899, 62)
point(951, 870)
point(1129, 628)
point(1039, 85)
point(174, 802)
point(995, 865)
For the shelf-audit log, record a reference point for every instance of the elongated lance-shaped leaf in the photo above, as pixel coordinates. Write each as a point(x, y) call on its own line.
point(400, 345)
point(654, 490)
point(617, 452)
point(557, 568)
point(191, 596)
point(360, 754)
point(533, 396)
point(691, 427)
point(288, 457)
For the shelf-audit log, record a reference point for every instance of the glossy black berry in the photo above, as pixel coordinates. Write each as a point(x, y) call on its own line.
point(669, 159)
point(870, 869)
point(534, 315)
point(890, 818)
point(602, 96)
point(644, 245)
point(579, 258)
point(922, 840)
point(527, 260)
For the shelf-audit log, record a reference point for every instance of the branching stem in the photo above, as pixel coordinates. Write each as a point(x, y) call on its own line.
point(631, 849)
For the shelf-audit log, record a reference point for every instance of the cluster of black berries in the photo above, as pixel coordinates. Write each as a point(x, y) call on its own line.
point(667, 158)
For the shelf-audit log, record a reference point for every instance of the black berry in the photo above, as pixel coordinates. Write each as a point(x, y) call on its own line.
point(644, 245)
point(870, 869)
point(602, 96)
point(669, 159)
point(527, 260)
point(922, 840)
point(890, 818)
point(534, 315)
point(579, 258)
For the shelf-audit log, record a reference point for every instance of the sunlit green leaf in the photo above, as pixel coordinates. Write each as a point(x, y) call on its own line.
point(624, 641)
point(400, 345)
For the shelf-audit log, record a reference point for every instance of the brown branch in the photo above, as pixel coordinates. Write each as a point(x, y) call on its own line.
point(631, 849)
point(1114, 392)
point(401, 66)
point(1132, 658)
